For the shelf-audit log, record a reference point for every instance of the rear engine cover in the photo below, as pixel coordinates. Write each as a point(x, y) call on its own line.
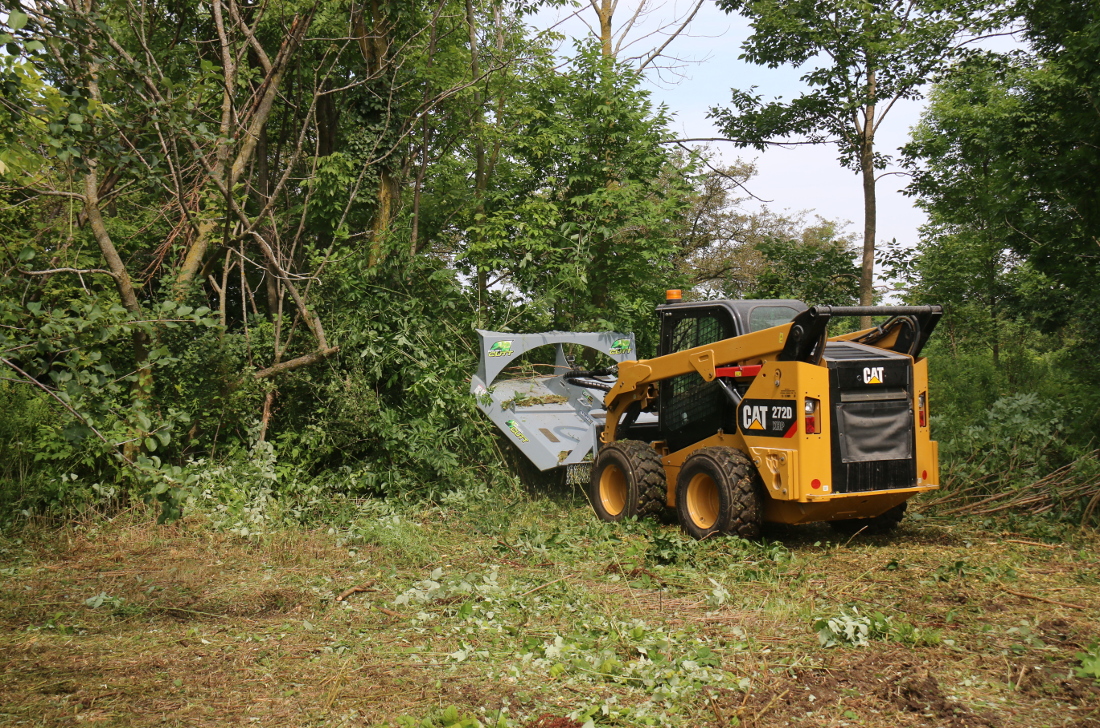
point(871, 391)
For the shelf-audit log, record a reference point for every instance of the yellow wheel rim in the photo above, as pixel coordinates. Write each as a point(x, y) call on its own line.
point(702, 500)
point(613, 489)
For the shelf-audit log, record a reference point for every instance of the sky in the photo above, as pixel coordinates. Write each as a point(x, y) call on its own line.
point(794, 179)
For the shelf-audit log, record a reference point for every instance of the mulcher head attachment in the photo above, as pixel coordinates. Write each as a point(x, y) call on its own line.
point(553, 419)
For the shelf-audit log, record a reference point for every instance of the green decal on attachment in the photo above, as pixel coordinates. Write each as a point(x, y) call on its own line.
point(501, 348)
point(513, 426)
point(621, 346)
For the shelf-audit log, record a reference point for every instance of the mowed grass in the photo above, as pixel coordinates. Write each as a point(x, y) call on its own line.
point(524, 612)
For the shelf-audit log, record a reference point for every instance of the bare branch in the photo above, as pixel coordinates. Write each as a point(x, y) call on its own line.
point(672, 37)
point(748, 143)
point(51, 271)
point(297, 363)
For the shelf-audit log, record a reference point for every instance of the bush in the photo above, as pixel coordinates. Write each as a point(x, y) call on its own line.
point(1018, 439)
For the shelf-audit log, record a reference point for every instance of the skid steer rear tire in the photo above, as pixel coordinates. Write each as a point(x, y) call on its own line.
point(720, 492)
point(628, 481)
point(880, 524)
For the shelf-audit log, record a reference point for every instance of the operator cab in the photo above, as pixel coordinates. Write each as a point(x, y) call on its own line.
point(695, 323)
point(689, 408)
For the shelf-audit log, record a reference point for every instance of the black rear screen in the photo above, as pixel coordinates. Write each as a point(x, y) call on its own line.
point(871, 431)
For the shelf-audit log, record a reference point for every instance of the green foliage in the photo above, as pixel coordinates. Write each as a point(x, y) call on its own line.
point(852, 629)
point(398, 411)
point(83, 404)
point(1090, 663)
point(591, 200)
point(845, 43)
point(1017, 440)
point(820, 272)
point(1001, 163)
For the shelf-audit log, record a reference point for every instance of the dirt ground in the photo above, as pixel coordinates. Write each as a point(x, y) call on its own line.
point(542, 618)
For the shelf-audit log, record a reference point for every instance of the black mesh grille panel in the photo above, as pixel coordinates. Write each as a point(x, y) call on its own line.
point(692, 400)
point(877, 475)
point(689, 405)
point(696, 331)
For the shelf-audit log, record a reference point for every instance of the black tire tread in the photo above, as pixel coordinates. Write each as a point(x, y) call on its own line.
point(744, 512)
point(648, 473)
point(645, 462)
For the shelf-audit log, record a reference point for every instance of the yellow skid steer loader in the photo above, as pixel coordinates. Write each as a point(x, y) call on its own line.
point(750, 413)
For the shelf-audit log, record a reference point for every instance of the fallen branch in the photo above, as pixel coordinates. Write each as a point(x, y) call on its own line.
point(1044, 599)
point(195, 611)
point(1032, 543)
point(1057, 489)
point(391, 613)
point(756, 718)
point(355, 590)
point(531, 591)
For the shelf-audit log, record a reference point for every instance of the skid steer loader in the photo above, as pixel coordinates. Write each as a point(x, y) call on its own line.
point(749, 413)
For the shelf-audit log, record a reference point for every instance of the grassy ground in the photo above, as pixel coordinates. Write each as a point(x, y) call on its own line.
point(524, 613)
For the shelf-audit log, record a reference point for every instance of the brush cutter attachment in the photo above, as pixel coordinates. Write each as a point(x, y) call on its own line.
point(554, 418)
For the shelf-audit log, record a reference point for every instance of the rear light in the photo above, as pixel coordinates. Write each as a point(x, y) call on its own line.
point(922, 409)
point(813, 427)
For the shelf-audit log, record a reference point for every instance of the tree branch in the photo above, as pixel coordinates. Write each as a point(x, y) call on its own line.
point(297, 363)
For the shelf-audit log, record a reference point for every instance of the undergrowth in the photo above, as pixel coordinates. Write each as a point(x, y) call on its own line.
point(475, 609)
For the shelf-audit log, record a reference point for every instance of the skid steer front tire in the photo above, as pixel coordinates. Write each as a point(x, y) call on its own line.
point(628, 480)
point(719, 492)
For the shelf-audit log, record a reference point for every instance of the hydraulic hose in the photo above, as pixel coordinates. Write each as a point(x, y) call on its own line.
point(584, 378)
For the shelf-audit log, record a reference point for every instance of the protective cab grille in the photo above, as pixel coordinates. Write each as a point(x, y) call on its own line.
point(692, 408)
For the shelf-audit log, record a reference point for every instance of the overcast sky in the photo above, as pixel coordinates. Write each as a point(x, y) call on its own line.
point(800, 178)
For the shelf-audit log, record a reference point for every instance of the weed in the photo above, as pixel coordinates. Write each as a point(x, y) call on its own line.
point(1025, 636)
point(449, 717)
point(669, 547)
point(1090, 663)
point(852, 629)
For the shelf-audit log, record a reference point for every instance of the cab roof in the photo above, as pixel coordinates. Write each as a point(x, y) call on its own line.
point(739, 309)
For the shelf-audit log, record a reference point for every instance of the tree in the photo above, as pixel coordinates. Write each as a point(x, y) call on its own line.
point(864, 56)
point(641, 25)
point(1005, 161)
point(589, 200)
point(965, 261)
point(730, 251)
point(176, 167)
point(818, 269)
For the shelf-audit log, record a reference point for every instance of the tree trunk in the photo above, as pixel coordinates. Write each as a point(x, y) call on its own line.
point(479, 147)
point(597, 279)
point(389, 192)
point(375, 46)
point(328, 121)
point(605, 11)
point(870, 204)
point(143, 386)
point(870, 227)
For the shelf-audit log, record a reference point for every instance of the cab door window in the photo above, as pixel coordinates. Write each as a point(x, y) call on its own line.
point(697, 331)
